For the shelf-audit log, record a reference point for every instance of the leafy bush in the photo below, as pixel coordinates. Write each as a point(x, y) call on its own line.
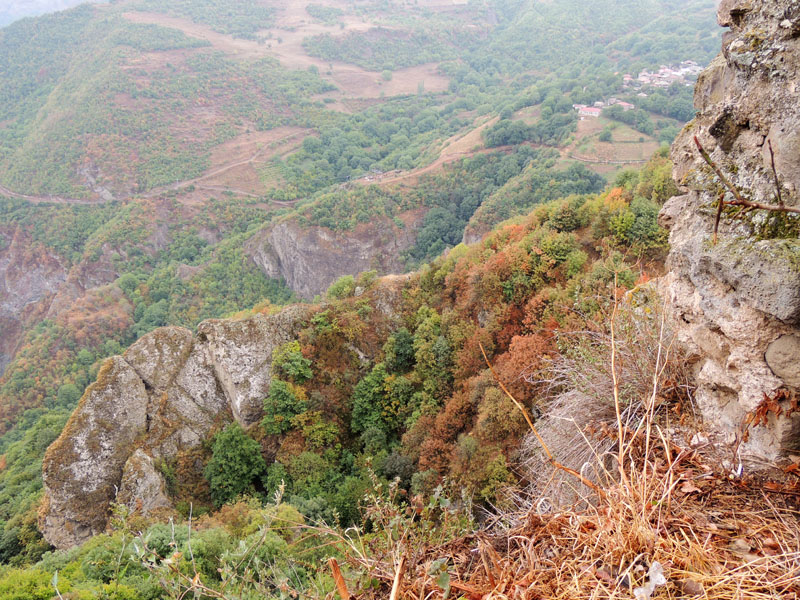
point(30, 584)
point(342, 288)
point(288, 360)
point(284, 402)
point(236, 465)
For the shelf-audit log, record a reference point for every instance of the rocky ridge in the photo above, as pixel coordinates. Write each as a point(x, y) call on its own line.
point(311, 258)
point(29, 278)
point(736, 303)
point(161, 399)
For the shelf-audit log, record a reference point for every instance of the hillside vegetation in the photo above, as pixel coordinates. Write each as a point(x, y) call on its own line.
point(424, 394)
point(116, 121)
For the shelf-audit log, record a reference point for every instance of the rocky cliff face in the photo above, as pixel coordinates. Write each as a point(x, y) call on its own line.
point(165, 396)
point(29, 277)
point(737, 302)
point(311, 258)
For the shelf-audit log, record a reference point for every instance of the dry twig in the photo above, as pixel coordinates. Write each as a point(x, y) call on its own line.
point(739, 199)
point(550, 458)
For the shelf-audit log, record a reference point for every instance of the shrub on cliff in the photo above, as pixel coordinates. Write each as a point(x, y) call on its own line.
point(235, 466)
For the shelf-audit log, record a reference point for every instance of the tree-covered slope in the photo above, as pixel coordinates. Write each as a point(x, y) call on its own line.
point(174, 135)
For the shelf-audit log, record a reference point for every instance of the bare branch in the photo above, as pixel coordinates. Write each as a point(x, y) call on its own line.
point(774, 172)
point(740, 201)
point(551, 459)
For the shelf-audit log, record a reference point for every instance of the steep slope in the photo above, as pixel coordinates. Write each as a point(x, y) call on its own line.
point(737, 299)
point(160, 164)
point(388, 371)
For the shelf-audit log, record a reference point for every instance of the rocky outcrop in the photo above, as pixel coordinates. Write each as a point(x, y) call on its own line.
point(737, 302)
point(168, 394)
point(310, 258)
point(29, 274)
point(142, 488)
point(85, 463)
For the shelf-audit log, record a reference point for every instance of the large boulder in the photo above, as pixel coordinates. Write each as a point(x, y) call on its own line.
point(83, 467)
point(165, 397)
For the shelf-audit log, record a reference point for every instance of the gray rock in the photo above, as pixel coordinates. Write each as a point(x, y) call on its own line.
point(731, 300)
point(241, 355)
point(311, 258)
point(764, 274)
point(730, 11)
point(83, 467)
point(159, 355)
point(783, 357)
point(142, 488)
point(174, 394)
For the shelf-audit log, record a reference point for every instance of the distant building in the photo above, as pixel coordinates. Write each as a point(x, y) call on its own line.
point(599, 104)
point(589, 111)
point(626, 106)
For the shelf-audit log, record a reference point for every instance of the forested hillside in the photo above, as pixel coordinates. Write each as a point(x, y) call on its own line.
point(388, 382)
point(147, 150)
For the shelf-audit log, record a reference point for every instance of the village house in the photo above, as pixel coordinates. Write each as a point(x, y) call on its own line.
point(590, 111)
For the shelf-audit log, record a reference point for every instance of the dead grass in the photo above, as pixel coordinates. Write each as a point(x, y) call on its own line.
point(669, 523)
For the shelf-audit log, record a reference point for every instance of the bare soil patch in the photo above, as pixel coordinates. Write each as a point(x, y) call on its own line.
point(235, 164)
point(226, 43)
point(292, 27)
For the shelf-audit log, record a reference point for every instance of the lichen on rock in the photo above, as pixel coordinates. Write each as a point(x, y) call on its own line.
point(733, 300)
point(166, 396)
point(83, 467)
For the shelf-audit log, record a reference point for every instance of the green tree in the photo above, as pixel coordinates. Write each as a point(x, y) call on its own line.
point(68, 395)
point(236, 465)
point(399, 351)
point(342, 287)
point(284, 402)
point(288, 360)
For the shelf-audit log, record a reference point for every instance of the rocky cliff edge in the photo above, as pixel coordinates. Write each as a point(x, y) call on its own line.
point(165, 395)
point(310, 258)
point(737, 301)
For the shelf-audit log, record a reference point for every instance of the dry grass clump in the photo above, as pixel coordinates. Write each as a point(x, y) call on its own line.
point(635, 515)
point(649, 379)
point(669, 513)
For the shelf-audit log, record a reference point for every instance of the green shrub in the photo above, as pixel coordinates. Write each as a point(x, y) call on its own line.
point(31, 584)
point(342, 287)
point(284, 402)
point(236, 465)
point(289, 361)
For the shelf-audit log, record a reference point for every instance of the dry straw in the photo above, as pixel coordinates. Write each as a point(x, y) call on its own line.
point(648, 518)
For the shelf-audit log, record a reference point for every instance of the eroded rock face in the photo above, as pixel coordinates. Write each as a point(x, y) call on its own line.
point(311, 258)
point(168, 394)
point(28, 276)
point(83, 467)
point(142, 488)
point(733, 301)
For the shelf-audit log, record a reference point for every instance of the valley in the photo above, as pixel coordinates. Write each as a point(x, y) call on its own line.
point(273, 270)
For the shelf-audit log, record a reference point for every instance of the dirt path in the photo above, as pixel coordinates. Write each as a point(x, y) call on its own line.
point(4, 191)
point(455, 148)
point(268, 143)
